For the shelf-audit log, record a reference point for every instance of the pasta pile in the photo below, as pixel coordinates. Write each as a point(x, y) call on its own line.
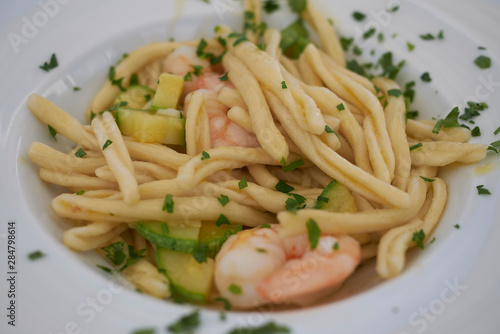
point(287, 104)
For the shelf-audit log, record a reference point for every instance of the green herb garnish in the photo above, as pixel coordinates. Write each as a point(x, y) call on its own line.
point(426, 77)
point(419, 237)
point(269, 328)
point(235, 289)
point(427, 180)
point(53, 63)
point(115, 252)
point(53, 132)
point(106, 144)
point(205, 155)
point(168, 204)
point(186, 324)
point(104, 268)
point(243, 183)
point(283, 85)
point(294, 165)
point(481, 190)
point(222, 220)
point(358, 16)
point(80, 153)
point(35, 255)
point(416, 146)
point(483, 62)
point(314, 233)
point(223, 200)
point(81, 192)
point(227, 303)
point(283, 187)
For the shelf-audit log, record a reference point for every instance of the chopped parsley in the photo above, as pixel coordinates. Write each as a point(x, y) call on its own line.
point(283, 187)
point(393, 9)
point(261, 250)
point(427, 180)
point(457, 226)
point(369, 33)
point(388, 68)
point(451, 121)
point(481, 190)
point(235, 289)
point(53, 132)
point(335, 246)
point(271, 6)
point(223, 200)
point(265, 226)
point(113, 80)
point(76, 89)
point(168, 204)
point(346, 43)
point(495, 146)
point(205, 155)
point(92, 115)
point(410, 46)
point(419, 237)
point(476, 132)
point(411, 114)
point(294, 165)
point(427, 37)
point(340, 107)
point(224, 77)
point(240, 38)
point(358, 16)
point(243, 183)
point(147, 97)
point(380, 38)
point(296, 202)
point(188, 77)
point(197, 70)
point(35, 255)
point(497, 131)
point(268, 328)
point(145, 331)
point(440, 35)
point(134, 80)
point(426, 77)
point(227, 303)
point(115, 252)
point(294, 39)
point(104, 268)
point(297, 6)
point(186, 324)
point(283, 85)
point(106, 144)
point(133, 257)
point(53, 63)
point(472, 110)
point(394, 92)
point(483, 62)
point(414, 147)
point(357, 50)
point(80, 153)
point(81, 192)
point(314, 233)
point(222, 220)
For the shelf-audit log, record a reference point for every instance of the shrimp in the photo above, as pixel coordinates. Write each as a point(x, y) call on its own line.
point(223, 131)
point(257, 266)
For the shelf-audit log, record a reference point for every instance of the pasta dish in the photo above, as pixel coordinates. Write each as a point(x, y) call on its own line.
point(250, 168)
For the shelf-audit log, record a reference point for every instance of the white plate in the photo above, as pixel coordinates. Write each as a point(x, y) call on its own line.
point(54, 294)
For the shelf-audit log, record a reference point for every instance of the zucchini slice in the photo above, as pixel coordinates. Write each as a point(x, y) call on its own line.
point(150, 127)
point(336, 198)
point(188, 279)
point(136, 96)
point(169, 91)
point(212, 237)
point(174, 235)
